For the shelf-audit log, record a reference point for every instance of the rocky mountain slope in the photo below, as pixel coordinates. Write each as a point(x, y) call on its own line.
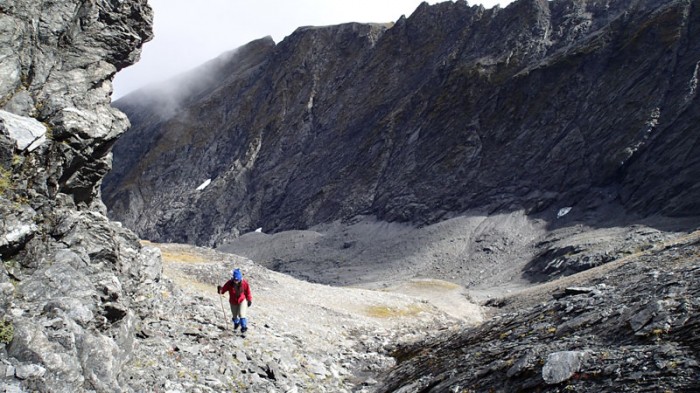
point(68, 275)
point(630, 326)
point(303, 337)
point(87, 307)
point(535, 107)
point(625, 326)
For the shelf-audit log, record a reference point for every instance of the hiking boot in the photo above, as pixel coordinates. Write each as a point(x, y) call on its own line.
point(244, 329)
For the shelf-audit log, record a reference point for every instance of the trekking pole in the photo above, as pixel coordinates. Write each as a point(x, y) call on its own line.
point(223, 311)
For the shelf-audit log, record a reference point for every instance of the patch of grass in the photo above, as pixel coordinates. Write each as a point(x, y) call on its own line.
point(49, 131)
point(393, 312)
point(182, 257)
point(433, 284)
point(658, 331)
point(7, 331)
point(5, 180)
point(9, 264)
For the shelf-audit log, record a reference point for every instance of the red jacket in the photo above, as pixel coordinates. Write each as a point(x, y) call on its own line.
point(235, 297)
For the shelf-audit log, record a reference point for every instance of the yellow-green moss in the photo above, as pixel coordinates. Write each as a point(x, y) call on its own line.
point(392, 312)
point(7, 331)
point(5, 180)
point(181, 257)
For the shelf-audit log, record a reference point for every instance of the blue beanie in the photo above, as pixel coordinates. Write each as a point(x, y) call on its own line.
point(237, 274)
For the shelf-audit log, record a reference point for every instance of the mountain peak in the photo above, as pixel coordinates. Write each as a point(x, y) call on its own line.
point(521, 108)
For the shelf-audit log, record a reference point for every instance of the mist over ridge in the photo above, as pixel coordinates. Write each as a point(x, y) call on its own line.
point(536, 106)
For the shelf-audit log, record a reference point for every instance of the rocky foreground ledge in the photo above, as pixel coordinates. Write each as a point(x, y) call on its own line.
point(629, 326)
point(303, 337)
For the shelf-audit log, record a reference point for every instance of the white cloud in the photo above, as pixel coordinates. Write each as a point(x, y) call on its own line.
point(188, 33)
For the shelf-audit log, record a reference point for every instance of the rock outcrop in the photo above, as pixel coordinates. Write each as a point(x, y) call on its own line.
point(630, 328)
point(535, 107)
point(68, 274)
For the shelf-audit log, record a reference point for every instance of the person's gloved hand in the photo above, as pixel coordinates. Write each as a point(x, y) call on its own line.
point(250, 303)
point(218, 289)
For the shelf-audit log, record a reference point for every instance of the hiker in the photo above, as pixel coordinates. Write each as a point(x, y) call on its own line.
point(239, 299)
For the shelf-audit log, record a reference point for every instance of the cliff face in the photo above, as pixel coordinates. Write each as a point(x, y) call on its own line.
point(68, 275)
point(538, 105)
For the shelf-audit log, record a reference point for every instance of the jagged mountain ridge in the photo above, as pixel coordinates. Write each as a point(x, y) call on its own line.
point(540, 104)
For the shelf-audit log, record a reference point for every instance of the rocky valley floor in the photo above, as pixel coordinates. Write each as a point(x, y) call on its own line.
point(346, 337)
point(302, 337)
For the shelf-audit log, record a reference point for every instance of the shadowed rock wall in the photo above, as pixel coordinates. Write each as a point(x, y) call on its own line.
point(536, 106)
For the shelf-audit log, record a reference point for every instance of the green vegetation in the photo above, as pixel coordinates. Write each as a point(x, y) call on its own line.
point(7, 331)
point(49, 131)
point(5, 180)
point(392, 312)
point(181, 257)
point(434, 284)
point(9, 263)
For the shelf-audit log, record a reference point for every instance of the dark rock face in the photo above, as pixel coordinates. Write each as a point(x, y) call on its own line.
point(540, 104)
point(68, 274)
point(632, 330)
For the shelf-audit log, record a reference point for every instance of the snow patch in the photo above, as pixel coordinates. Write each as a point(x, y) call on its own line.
point(204, 185)
point(563, 211)
point(693, 84)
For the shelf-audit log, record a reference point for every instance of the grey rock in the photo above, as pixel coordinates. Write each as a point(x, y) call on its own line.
point(150, 263)
point(522, 350)
point(28, 133)
point(99, 359)
point(569, 250)
point(21, 103)
point(17, 234)
point(29, 371)
point(30, 344)
point(60, 255)
point(91, 307)
point(7, 291)
point(640, 319)
point(11, 387)
point(18, 226)
point(57, 280)
point(317, 368)
point(523, 364)
point(561, 366)
point(70, 307)
point(9, 371)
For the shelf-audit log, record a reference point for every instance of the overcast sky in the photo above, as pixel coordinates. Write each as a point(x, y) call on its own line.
point(188, 33)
